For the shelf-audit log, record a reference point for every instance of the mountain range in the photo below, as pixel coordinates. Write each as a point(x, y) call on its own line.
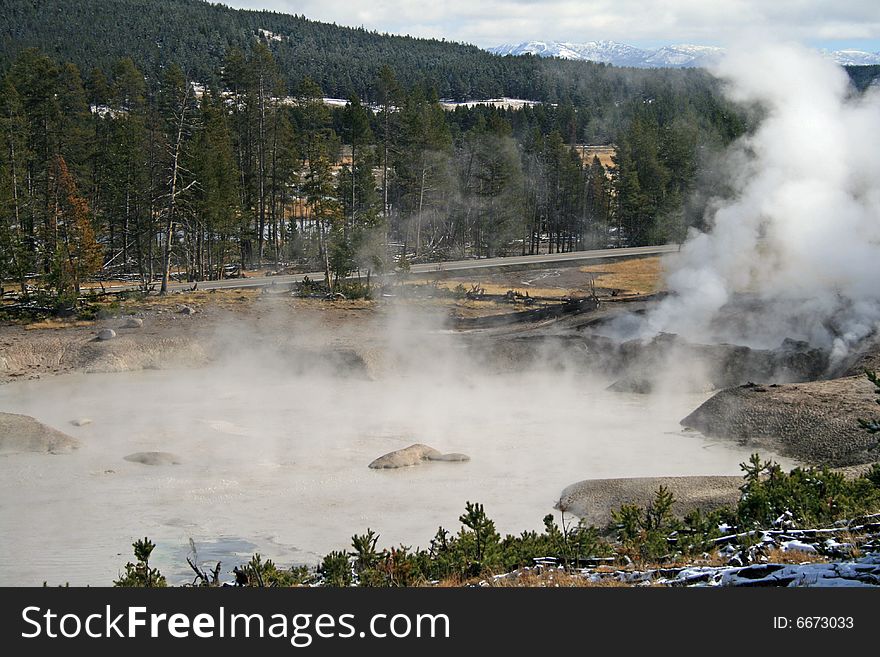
point(676, 56)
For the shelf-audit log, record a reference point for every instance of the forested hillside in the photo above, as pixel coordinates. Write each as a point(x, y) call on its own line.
point(196, 35)
point(146, 139)
point(104, 173)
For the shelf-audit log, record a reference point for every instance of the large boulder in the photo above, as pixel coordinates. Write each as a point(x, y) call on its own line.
point(414, 455)
point(814, 422)
point(593, 500)
point(22, 433)
point(153, 458)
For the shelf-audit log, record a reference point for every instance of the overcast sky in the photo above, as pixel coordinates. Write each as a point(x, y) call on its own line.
point(821, 23)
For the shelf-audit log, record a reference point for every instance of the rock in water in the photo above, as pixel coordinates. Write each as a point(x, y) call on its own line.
point(452, 457)
point(401, 458)
point(413, 455)
point(133, 322)
point(22, 433)
point(81, 421)
point(153, 458)
point(106, 334)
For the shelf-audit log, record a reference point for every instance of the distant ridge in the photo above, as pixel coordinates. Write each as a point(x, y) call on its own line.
point(197, 35)
point(675, 56)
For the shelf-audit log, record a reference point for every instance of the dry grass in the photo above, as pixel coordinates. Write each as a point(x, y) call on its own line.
point(554, 579)
point(633, 276)
point(217, 298)
point(472, 308)
point(55, 324)
point(777, 555)
point(550, 578)
point(713, 559)
point(561, 579)
point(604, 153)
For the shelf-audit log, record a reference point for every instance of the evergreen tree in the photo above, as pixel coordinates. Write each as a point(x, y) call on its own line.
point(78, 254)
point(217, 215)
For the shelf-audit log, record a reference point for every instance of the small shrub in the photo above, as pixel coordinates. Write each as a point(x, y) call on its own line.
point(257, 573)
point(335, 569)
point(309, 288)
point(139, 574)
point(813, 496)
point(353, 289)
point(644, 533)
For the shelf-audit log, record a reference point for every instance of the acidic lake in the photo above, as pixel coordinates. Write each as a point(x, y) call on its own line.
point(278, 464)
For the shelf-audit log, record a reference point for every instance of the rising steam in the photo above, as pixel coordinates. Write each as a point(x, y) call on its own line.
point(793, 250)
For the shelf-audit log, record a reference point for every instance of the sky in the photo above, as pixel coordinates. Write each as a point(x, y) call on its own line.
point(832, 24)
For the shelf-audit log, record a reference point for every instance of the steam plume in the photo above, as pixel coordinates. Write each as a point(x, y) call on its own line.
point(793, 252)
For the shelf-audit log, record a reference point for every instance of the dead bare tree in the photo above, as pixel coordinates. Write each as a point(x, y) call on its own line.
point(202, 578)
point(175, 190)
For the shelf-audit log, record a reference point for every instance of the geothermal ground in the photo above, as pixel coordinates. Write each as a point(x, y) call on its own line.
point(247, 423)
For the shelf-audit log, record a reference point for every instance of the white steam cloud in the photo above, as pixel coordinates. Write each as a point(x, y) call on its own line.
point(793, 252)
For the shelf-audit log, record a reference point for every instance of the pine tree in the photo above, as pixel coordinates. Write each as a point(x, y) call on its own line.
point(216, 197)
point(140, 574)
point(78, 254)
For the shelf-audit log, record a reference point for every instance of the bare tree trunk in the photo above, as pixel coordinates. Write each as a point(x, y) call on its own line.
point(273, 191)
point(323, 247)
point(385, 165)
point(19, 268)
point(172, 199)
point(421, 205)
point(261, 161)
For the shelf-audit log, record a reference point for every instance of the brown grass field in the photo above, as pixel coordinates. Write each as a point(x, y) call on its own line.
point(633, 276)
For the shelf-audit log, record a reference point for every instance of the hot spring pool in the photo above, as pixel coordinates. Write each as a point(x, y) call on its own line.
point(278, 464)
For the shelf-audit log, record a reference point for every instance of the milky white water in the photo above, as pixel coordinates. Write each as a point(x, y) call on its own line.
point(279, 465)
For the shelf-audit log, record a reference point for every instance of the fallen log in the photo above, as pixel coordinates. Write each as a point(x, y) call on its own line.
point(570, 307)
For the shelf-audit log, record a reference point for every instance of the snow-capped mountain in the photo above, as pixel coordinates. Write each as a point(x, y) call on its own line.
point(853, 57)
point(618, 54)
point(611, 52)
point(681, 56)
point(676, 56)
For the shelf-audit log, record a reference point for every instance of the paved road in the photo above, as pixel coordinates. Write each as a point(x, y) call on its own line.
point(436, 267)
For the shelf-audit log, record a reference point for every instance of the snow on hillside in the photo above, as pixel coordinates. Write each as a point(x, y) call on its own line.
point(684, 55)
point(674, 56)
point(854, 57)
point(502, 103)
point(269, 36)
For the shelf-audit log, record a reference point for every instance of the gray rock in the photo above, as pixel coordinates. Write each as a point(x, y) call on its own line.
point(106, 334)
point(22, 433)
point(186, 310)
point(451, 457)
point(133, 322)
point(814, 422)
point(153, 458)
point(81, 421)
point(593, 500)
point(413, 455)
